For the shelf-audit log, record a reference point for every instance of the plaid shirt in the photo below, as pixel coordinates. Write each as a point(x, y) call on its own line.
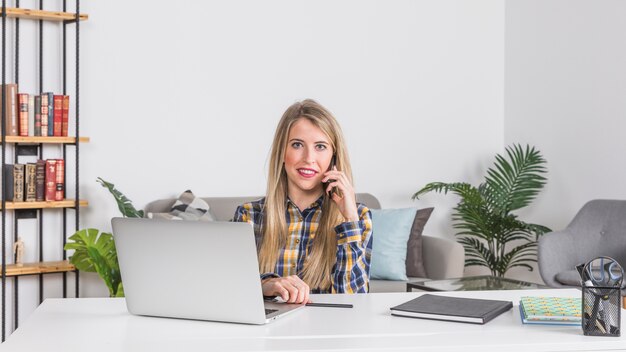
point(350, 273)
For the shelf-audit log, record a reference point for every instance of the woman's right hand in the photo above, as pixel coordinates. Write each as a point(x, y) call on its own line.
point(291, 289)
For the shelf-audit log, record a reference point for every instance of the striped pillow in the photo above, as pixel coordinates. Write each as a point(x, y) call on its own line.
point(187, 207)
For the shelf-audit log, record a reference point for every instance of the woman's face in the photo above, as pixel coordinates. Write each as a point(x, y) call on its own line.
point(307, 157)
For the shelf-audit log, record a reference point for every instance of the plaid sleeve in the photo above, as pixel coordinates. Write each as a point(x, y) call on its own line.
point(354, 252)
point(242, 214)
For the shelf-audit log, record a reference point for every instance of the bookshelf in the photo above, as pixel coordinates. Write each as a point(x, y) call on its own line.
point(34, 14)
point(39, 268)
point(33, 146)
point(45, 140)
point(67, 203)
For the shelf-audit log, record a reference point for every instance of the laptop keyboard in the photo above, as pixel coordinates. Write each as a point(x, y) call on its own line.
point(270, 311)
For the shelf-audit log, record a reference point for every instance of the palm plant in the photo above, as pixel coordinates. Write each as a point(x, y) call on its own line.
point(491, 235)
point(94, 251)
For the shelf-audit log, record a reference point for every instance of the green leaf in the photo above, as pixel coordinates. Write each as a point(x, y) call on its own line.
point(124, 204)
point(514, 182)
point(485, 225)
point(94, 251)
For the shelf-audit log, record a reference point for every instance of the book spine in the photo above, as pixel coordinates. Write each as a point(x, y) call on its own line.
point(31, 115)
point(51, 174)
point(44, 114)
point(31, 185)
point(60, 180)
point(37, 131)
point(11, 123)
point(40, 180)
point(22, 99)
point(18, 182)
point(58, 115)
point(8, 174)
point(66, 116)
point(50, 114)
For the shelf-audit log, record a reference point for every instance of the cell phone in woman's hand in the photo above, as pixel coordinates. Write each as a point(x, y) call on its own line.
point(335, 190)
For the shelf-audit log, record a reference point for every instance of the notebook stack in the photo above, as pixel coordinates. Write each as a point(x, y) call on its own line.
point(551, 310)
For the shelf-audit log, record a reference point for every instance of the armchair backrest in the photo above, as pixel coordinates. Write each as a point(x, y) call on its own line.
point(601, 226)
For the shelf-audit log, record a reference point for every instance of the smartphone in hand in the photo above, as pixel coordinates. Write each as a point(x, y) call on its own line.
point(334, 190)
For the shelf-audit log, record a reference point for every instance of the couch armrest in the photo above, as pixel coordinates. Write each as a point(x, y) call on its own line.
point(443, 258)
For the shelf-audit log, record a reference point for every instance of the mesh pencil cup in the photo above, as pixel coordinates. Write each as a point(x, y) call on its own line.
point(601, 297)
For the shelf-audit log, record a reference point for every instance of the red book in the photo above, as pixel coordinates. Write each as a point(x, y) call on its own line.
point(58, 115)
point(51, 177)
point(22, 99)
point(60, 180)
point(66, 115)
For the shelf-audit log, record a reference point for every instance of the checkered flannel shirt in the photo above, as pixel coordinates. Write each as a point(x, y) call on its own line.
point(350, 273)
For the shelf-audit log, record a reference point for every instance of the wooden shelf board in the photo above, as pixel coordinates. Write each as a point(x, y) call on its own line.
point(67, 203)
point(39, 268)
point(43, 15)
point(50, 140)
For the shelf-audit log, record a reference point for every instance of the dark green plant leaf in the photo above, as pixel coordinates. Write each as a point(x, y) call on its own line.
point(94, 251)
point(486, 227)
point(124, 204)
point(515, 182)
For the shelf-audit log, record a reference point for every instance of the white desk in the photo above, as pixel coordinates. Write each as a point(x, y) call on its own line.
point(103, 324)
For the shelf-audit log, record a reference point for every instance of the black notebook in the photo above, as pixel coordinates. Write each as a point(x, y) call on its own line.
point(465, 310)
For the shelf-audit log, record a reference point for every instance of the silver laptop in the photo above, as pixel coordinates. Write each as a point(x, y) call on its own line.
point(193, 270)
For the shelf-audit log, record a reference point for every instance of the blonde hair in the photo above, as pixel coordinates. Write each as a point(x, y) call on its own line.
point(317, 271)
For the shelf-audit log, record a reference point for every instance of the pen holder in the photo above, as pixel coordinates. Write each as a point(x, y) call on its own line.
point(602, 307)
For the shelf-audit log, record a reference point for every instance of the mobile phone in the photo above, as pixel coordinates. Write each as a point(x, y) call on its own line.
point(333, 163)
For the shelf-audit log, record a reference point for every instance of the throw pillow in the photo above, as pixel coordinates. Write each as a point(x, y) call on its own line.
point(391, 229)
point(414, 258)
point(187, 207)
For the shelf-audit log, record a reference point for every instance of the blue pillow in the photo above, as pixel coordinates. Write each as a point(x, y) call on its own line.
point(391, 229)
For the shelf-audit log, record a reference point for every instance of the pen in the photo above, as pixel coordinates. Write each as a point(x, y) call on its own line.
point(330, 305)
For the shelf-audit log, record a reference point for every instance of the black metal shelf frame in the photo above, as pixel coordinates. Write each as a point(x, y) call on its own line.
point(37, 149)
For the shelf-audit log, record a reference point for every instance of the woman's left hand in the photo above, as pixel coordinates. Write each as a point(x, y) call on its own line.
point(345, 197)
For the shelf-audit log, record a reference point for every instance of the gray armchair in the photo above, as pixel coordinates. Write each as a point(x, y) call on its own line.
point(599, 229)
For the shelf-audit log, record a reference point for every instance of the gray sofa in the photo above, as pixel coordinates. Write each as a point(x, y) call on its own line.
point(442, 258)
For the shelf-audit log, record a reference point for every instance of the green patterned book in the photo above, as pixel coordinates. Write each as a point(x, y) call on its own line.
point(551, 310)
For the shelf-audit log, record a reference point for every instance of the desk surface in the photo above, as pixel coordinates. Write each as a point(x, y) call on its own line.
point(103, 324)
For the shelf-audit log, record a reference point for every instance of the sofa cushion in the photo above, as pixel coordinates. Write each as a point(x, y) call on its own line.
point(414, 258)
point(186, 207)
point(391, 229)
point(569, 278)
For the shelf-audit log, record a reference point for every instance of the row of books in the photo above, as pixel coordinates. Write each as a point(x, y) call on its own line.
point(35, 182)
point(35, 115)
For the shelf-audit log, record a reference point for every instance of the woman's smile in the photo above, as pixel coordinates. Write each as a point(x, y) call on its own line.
point(307, 173)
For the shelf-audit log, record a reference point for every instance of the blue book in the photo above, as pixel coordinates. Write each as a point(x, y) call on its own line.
point(551, 310)
point(50, 113)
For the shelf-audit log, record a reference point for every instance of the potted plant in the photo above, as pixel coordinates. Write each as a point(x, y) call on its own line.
point(492, 235)
point(94, 250)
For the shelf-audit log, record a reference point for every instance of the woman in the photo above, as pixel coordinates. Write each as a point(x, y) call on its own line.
point(311, 234)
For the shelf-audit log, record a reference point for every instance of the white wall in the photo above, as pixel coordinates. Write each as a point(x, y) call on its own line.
point(186, 95)
point(189, 96)
point(565, 92)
